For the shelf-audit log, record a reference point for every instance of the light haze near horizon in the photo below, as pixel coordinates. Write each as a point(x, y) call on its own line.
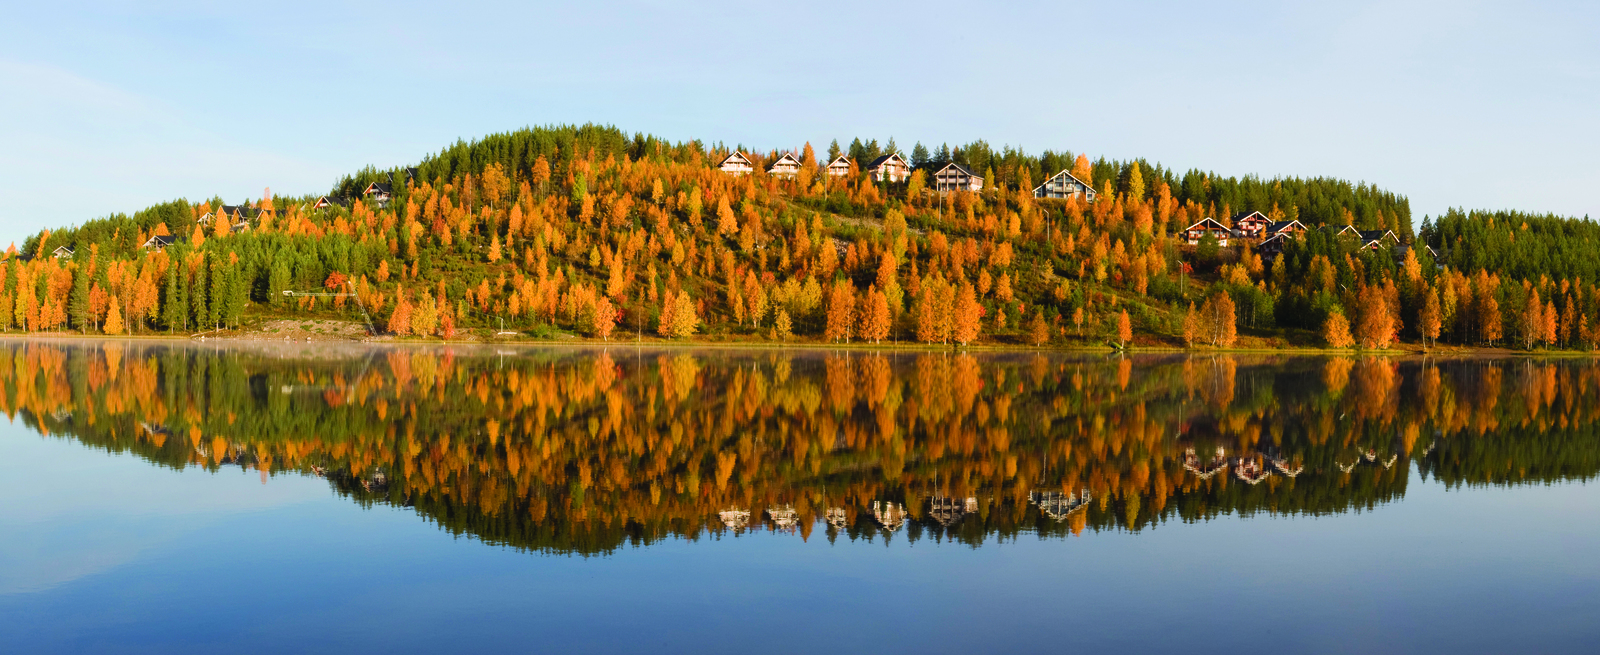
point(111, 107)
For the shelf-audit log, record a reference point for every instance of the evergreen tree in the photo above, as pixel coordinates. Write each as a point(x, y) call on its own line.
point(79, 302)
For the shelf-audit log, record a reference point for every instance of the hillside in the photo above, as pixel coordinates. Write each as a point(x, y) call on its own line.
point(588, 231)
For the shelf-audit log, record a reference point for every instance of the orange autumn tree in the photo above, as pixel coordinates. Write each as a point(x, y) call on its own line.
point(968, 315)
point(874, 316)
point(114, 318)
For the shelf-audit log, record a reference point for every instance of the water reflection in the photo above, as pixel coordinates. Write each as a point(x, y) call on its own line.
point(578, 451)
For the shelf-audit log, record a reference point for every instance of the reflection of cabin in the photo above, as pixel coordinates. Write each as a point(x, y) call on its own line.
point(1287, 468)
point(784, 517)
point(377, 482)
point(888, 515)
point(1251, 225)
point(837, 517)
point(737, 519)
point(736, 164)
point(1059, 505)
point(891, 167)
point(1250, 470)
point(1205, 469)
point(839, 167)
point(785, 166)
point(1194, 233)
point(950, 511)
point(63, 252)
point(955, 177)
point(159, 242)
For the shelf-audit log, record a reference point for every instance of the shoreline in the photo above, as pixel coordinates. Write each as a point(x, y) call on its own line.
point(662, 344)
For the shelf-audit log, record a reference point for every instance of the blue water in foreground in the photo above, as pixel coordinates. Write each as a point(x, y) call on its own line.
point(107, 553)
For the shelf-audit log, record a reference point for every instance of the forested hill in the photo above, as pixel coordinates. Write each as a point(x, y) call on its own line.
point(582, 229)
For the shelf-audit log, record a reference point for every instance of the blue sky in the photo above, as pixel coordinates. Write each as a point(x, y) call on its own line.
point(113, 106)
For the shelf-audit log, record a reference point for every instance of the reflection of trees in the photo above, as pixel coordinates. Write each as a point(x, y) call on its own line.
point(577, 451)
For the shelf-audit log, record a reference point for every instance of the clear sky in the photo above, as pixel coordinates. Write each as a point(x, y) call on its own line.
point(108, 107)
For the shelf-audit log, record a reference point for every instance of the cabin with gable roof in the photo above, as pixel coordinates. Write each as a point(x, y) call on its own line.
point(159, 242)
point(1289, 228)
point(785, 166)
point(1250, 225)
point(839, 167)
point(379, 191)
point(736, 164)
point(63, 252)
point(1065, 185)
point(1194, 233)
point(891, 167)
point(955, 177)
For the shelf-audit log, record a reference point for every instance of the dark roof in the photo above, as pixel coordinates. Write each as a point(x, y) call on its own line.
point(381, 187)
point(232, 210)
point(1277, 226)
point(1243, 215)
point(733, 154)
point(959, 167)
point(411, 173)
point(881, 160)
point(845, 159)
point(162, 240)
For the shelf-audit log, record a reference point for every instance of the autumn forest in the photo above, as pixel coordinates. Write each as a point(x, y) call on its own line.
point(569, 232)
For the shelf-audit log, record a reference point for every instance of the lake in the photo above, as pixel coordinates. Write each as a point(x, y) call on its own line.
point(289, 497)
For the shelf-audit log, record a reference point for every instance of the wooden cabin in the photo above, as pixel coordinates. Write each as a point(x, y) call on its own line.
point(159, 242)
point(839, 167)
point(955, 177)
point(1064, 185)
point(1251, 225)
point(378, 191)
point(63, 252)
point(1194, 233)
point(736, 164)
point(1272, 245)
point(785, 166)
point(1287, 228)
point(891, 167)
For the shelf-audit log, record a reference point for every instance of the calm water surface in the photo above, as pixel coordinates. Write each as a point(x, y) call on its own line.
point(288, 498)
